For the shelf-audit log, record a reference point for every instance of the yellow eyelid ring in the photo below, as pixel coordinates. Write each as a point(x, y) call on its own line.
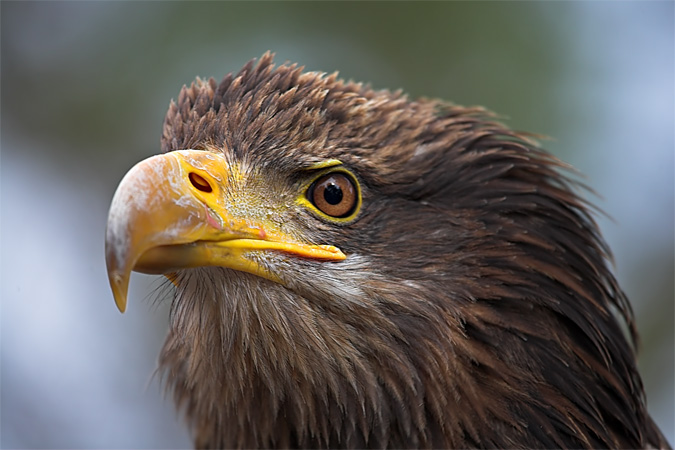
point(325, 164)
point(330, 167)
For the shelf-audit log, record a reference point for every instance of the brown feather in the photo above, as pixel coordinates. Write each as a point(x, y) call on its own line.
point(475, 308)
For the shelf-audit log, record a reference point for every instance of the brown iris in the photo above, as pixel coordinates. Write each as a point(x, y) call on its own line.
point(334, 194)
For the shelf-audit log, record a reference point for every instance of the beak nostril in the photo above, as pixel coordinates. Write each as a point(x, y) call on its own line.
point(200, 182)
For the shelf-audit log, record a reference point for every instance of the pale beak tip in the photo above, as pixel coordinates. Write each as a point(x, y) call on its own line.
point(121, 302)
point(120, 285)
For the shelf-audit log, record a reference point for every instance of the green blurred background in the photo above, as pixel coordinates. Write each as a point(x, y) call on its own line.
point(84, 89)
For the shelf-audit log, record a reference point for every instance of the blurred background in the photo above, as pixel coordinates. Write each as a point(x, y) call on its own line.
point(84, 90)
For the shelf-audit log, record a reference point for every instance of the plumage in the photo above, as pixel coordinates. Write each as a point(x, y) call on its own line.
point(474, 306)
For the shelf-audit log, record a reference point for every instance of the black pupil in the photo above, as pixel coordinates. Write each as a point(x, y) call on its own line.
point(332, 194)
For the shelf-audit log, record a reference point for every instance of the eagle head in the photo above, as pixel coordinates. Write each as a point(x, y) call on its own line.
point(353, 268)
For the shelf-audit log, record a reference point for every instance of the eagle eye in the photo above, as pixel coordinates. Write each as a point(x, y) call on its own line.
point(334, 194)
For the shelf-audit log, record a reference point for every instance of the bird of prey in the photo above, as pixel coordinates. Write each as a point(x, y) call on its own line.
point(354, 268)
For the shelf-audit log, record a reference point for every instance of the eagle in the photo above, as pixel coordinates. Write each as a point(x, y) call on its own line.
point(353, 268)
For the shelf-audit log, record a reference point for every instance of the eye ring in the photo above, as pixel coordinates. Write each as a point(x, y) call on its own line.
point(334, 194)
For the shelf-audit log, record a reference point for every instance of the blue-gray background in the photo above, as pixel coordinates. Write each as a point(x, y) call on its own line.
point(84, 90)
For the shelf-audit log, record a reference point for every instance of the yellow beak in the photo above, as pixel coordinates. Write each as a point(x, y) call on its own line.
point(170, 212)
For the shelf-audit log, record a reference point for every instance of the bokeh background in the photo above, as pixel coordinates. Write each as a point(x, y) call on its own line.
point(84, 88)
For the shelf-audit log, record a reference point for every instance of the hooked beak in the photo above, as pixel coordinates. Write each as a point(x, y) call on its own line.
point(169, 213)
